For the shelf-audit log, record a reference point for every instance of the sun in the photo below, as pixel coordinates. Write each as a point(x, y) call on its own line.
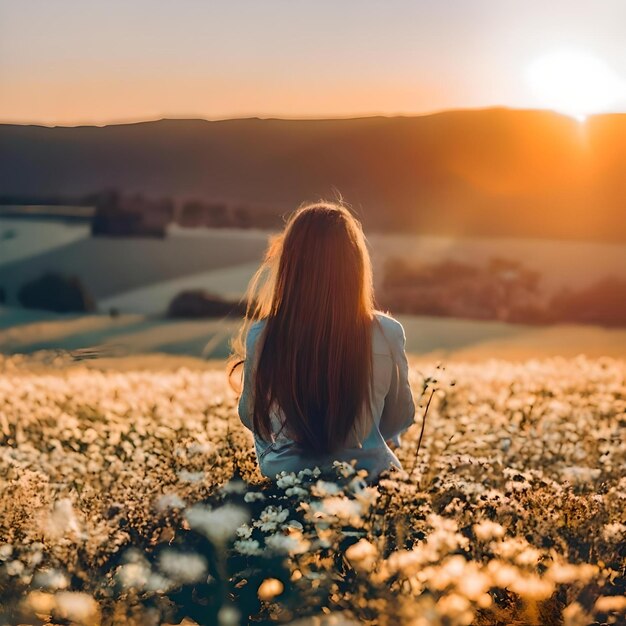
point(574, 82)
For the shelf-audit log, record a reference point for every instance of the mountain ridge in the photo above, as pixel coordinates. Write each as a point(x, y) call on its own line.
point(488, 172)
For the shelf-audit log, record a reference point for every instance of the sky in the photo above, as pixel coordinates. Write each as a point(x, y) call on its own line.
point(94, 62)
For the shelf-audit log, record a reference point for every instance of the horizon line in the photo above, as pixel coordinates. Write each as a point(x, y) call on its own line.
point(305, 118)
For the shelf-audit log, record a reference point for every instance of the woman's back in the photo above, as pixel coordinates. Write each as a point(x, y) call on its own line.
point(391, 409)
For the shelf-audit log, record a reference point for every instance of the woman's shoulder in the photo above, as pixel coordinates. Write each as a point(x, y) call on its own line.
point(390, 325)
point(388, 334)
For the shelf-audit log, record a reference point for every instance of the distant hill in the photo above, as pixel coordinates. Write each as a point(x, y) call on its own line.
point(476, 172)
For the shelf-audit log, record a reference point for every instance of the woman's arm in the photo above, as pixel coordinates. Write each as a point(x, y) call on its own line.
point(245, 406)
point(399, 410)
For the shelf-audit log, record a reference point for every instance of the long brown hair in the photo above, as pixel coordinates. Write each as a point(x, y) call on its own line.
point(314, 290)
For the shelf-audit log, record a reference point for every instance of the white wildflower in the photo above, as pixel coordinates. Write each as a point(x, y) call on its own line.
point(219, 525)
point(228, 615)
point(271, 517)
point(50, 578)
point(6, 550)
point(293, 543)
point(323, 489)
point(362, 555)
point(77, 607)
point(614, 531)
point(287, 479)
point(169, 501)
point(254, 496)
point(248, 547)
point(190, 477)
point(234, 486)
point(183, 567)
point(487, 530)
point(133, 575)
point(62, 520)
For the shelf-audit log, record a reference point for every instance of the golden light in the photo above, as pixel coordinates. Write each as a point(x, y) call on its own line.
point(575, 83)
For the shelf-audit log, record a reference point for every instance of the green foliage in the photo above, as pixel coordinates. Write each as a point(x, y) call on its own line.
point(56, 292)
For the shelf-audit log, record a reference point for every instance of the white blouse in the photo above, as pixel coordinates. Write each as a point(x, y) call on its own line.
point(392, 408)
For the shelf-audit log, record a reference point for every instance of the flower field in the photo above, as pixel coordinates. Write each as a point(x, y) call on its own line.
point(132, 497)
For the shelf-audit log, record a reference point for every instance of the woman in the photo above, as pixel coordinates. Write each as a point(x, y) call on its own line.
point(325, 374)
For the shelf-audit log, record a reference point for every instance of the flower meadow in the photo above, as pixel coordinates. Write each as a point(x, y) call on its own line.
point(133, 497)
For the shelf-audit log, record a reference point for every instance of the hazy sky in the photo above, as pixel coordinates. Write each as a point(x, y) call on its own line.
point(76, 61)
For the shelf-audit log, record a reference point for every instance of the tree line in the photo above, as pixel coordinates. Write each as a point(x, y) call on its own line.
point(501, 290)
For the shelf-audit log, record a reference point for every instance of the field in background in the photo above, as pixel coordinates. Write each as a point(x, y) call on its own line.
point(138, 275)
point(449, 339)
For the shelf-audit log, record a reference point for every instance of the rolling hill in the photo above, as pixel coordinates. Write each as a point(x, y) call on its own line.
point(449, 339)
point(491, 172)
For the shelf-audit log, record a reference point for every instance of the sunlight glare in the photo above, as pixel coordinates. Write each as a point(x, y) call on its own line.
point(574, 83)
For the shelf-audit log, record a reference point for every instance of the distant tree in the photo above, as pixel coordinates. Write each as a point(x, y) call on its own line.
point(265, 217)
point(115, 222)
point(196, 303)
point(55, 292)
point(602, 303)
point(515, 286)
point(242, 218)
point(104, 198)
point(130, 216)
point(501, 290)
point(217, 215)
point(191, 214)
